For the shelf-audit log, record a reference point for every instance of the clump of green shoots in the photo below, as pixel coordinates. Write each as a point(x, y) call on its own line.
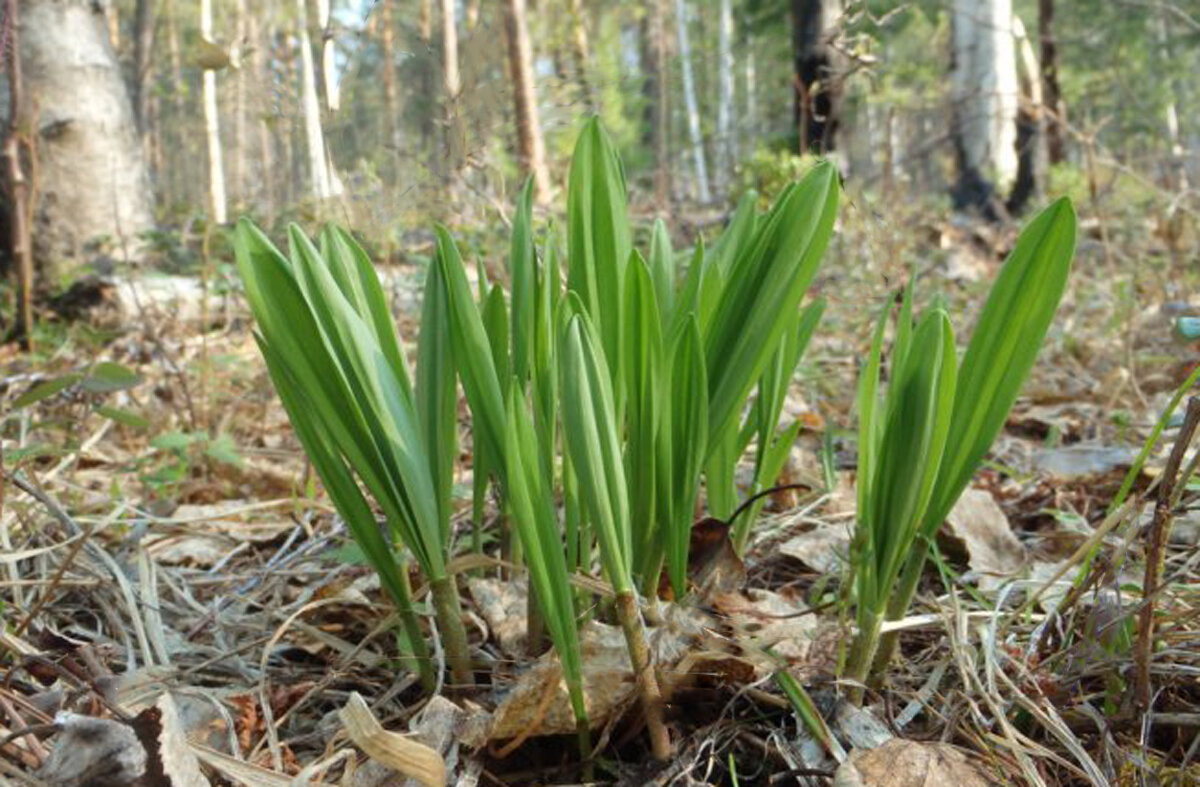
point(333, 355)
point(919, 445)
point(644, 377)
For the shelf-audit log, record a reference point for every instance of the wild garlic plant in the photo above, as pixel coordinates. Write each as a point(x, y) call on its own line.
point(331, 348)
point(617, 395)
point(920, 444)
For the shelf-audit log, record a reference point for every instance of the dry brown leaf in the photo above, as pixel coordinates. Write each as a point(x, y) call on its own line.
point(210, 532)
point(152, 750)
point(764, 619)
point(901, 763)
point(502, 605)
point(90, 751)
point(401, 754)
point(538, 704)
point(978, 526)
point(823, 548)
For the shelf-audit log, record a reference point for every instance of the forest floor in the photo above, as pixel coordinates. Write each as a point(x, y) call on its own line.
point(163, 537)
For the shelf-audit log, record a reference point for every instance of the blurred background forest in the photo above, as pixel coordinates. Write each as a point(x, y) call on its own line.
point(143, 122)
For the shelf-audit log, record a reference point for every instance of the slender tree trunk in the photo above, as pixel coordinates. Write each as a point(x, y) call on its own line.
point(212, 126)
point(452, 133)
point(689, 100)
point(142, 64)
point(1051, 93)
point(529, 128)
point(471, 14)
point(1031, 126)
point(240, 142)
point(391, 128)
point(750, 122)
point(425, 35)
point(174, 192)
point(580, 53)
point(91, 196)
point(985, 102)
point(450, 76)
point(328, 67)
point(660, 108)
point(1179, 180)
point(20, 245)
point(313, 135)
point(725, 68)
point(818, 85)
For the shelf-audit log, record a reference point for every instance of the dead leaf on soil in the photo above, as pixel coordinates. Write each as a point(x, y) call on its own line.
point(901, 763)
point(764, 619)
point(401, 754)
point(211, 532)
point(153, 749)
point(1077, 460)
point(538, 704)
point(978, 525)
point(503, 607)
point(823, 548)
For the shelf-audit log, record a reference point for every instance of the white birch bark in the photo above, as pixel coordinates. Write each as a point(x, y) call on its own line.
point(328, 67)
point(985, 88)
point(750, 122)
point(91, 180)
point(450, 49)
point(689, 100)
point(212, 126)
point(313, 135)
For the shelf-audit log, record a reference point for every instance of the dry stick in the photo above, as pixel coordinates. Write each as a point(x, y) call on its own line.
point(1160, 528)
point(55, 581)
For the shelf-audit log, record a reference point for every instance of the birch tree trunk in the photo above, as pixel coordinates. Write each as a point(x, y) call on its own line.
point(689, 99)
point(1179, 180)
point(313, 135)
point(725, 66)
point(750, 121)
point(452, 134)
point(450, 50)
point(91, 180)
point(985, 101)
point(529, 127)
point(212, 126)
point(328, 66)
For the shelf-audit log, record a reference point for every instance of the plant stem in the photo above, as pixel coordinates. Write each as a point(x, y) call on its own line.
point(535, 625)
point(415, 639)
point(639, 654)
point(454, 635)
point(862, 652)
point(584, 736)
point(900, 601)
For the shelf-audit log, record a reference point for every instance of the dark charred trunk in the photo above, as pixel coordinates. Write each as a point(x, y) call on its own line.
point(818, 86)
point(1051, 92)
point(1025, 185)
